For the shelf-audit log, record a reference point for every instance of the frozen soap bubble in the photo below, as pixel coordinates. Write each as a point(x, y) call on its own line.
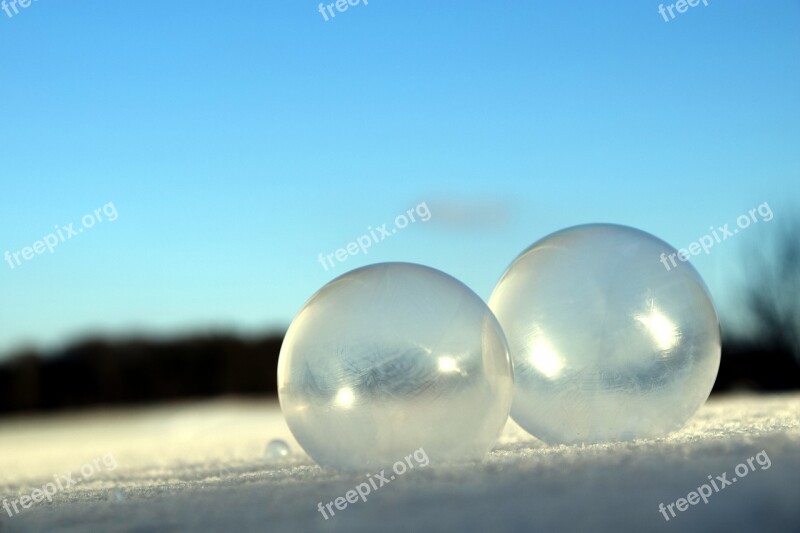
point(607, 344)
point(390, 358)
point(115, 495)
point(276, 450)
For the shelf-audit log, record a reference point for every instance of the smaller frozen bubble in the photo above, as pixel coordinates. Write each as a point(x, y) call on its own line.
point(276, 449)
point(116, 495)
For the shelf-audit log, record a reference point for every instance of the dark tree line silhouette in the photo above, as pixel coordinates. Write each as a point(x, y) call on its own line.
point(768, 355)
point(101, 372)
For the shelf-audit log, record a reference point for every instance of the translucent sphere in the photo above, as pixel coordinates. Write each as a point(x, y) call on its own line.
point(115, 495)
point(609, 340)
point(276, 450)
point(390, 358)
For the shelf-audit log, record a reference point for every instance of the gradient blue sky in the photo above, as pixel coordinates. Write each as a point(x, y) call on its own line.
point(239, 140)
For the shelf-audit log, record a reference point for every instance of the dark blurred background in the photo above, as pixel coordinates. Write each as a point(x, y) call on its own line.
point(135, 371)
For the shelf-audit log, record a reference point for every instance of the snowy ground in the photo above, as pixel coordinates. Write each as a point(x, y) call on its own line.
point(200, 467)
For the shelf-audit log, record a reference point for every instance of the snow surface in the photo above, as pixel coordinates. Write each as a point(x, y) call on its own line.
point(201, 467)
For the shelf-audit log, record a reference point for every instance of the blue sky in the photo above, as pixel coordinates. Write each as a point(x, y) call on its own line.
point(238, 141)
